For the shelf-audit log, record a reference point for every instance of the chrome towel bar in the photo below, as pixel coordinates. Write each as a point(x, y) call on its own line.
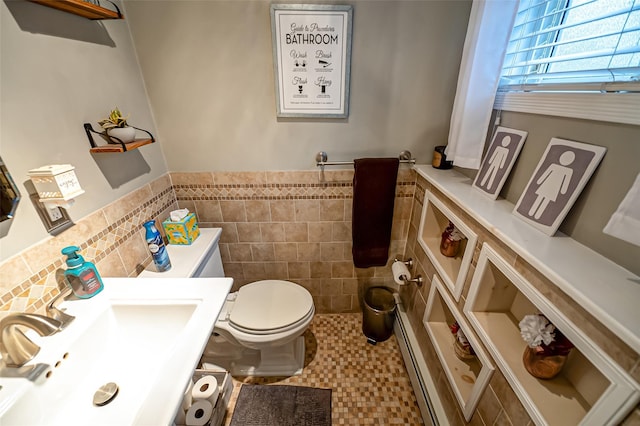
point(321, 160)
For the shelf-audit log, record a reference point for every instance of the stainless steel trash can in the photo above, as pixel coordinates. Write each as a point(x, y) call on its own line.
point(378, 314)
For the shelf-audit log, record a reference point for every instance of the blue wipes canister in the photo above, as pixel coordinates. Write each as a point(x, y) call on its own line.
point(157, 247)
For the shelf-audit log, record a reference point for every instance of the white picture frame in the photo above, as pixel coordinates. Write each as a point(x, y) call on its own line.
point(559, 178)
point(312, 59)
point(499, 160)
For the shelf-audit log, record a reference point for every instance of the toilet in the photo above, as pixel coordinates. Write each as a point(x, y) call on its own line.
point(259, 331)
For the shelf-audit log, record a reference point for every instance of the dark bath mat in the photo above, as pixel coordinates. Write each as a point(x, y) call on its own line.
point(280, 405)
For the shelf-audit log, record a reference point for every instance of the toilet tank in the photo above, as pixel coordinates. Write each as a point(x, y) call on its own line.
point(201, 259)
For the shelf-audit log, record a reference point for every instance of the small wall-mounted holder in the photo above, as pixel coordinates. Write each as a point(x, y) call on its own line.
point(401, 274)
point(417, 280)
point(408, 262)
point(55, 188)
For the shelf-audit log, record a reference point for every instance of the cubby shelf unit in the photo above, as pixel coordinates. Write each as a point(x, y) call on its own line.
point(435, 218)
point(468, 378)
point(606, 290)
point(591, 388)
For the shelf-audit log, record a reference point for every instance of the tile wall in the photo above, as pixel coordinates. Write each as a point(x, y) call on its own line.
point(111, 237)
point(293, 226)
point(276, 225)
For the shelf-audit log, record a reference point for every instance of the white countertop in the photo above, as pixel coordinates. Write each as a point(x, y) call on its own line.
point(115, 338)
point(608, 291)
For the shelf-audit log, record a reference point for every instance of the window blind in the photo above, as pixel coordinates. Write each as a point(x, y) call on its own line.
point(574, 45)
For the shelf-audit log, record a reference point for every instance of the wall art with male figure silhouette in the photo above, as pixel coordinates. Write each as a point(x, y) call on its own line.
point(563, 171)
point(499, 160)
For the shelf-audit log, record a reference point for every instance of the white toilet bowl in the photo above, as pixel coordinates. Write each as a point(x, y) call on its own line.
point(259, 330)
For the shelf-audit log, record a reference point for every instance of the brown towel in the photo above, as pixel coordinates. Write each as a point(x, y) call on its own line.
point(374, 192)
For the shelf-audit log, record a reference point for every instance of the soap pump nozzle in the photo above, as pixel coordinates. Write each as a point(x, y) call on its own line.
point(73, 258)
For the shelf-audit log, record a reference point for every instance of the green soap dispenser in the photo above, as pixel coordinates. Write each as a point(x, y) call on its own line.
point(82, 276)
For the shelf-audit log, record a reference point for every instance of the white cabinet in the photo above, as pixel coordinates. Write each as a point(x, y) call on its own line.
point(591, 388)
point(468, 378)
point(435, 219)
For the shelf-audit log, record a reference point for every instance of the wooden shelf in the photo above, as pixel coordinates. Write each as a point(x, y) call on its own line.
point(112, 147)
point(468, 378)
point(81, 8)
point(590, 389)
point(435, 218)
point(115, 145)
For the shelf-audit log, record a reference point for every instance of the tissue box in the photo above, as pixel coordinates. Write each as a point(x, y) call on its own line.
point(183, 232)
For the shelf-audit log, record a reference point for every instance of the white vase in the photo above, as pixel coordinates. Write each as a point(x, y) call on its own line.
point(125, 134)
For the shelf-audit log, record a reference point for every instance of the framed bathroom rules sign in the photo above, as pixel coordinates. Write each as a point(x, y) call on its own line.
point(312, 59)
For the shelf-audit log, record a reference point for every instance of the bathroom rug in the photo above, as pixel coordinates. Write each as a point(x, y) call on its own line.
point(282, 405)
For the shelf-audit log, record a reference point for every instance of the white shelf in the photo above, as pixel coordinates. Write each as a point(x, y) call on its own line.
point(435, 218)
point(608, 291)
point(467, 378)
point(590, 389)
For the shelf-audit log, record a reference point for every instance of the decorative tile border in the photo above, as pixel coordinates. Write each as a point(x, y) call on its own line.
point(276, 191)
point(33, 293)
point(103, 243)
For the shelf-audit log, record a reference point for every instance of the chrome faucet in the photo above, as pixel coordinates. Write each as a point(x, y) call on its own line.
point(16, 348)
point(59, 314)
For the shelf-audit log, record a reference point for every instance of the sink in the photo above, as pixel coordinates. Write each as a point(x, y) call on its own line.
point(145, 335)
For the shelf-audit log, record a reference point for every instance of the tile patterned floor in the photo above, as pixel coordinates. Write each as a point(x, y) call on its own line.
point(370, 383)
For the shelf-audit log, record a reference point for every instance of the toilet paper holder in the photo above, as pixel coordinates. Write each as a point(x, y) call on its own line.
point(417, 279)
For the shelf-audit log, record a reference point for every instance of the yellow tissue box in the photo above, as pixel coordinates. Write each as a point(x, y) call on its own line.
point(184, 232)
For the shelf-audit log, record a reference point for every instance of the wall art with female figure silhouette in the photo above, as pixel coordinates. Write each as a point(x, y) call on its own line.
point(499, 160)
point(563, 171)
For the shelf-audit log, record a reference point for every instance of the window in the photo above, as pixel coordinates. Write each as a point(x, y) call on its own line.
point(574, 41)
point(564, 48)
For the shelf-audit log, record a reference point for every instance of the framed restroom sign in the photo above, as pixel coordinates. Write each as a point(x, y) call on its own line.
point(312, 59)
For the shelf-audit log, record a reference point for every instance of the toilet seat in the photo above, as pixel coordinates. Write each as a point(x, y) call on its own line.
point(260, 329)
point(270, 306)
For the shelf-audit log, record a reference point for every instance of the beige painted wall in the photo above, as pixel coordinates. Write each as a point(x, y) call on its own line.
point(58, 72)
point(606, 188)
point(209, 71)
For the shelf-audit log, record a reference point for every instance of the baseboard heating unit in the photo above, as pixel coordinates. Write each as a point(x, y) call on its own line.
point(423, 385)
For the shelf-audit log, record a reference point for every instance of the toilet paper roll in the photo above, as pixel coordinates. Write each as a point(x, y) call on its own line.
point(399, 269)
point(199, 413)
point(206, 388)
point(187, 400)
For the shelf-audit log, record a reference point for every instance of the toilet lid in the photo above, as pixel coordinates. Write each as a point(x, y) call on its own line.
point(269, 305)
